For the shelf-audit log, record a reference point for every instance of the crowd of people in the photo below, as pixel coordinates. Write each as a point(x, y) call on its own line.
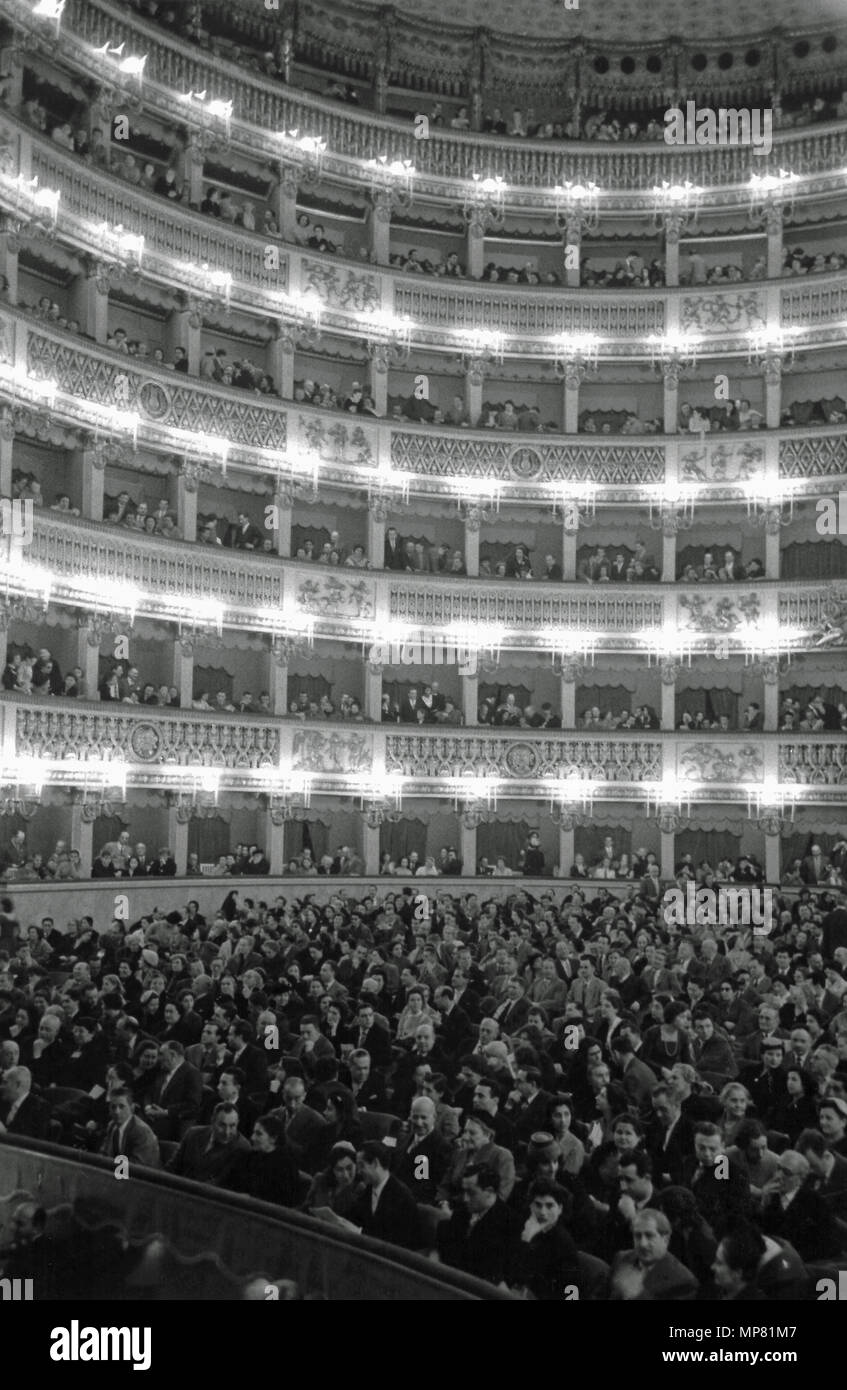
point(580, 1094)
point(602, 566)
point(728, 415)
point(732, 570)
point(813, 716)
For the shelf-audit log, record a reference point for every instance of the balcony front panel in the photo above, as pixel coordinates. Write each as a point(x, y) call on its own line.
point(262, 108)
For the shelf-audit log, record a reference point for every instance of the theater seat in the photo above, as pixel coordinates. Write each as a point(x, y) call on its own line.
point(593, 1277)
point(61, 1095)
point(430, 1219)
point(375, 1124)
point(167, 1149)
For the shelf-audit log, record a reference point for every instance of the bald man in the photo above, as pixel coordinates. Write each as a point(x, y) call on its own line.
point(421, 1158)
point(20, 1111)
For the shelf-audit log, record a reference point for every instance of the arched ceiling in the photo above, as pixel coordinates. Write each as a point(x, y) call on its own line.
point(642, 21)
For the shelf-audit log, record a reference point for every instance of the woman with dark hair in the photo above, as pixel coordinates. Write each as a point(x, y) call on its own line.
point(340, 1113)
point(668, 1043)
point(337, 1186)
point(334, 1024)
point(269, 1171)
point(570, 1149)
point(546, 1259)
point(146, 1075)
point(797, 1109)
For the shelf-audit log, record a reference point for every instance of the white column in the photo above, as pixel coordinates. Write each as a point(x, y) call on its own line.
point(475, 248)
point(7, 447)
point(472, 520)
point(186, 500)
point(670, 671)
point(183, 670)
point(280, 356)
point(377, 517)
point(93, 468)
point(670, 374)
point(82, 833)
point(275, 841)
point(572, 242)
point(380, 229)
point(9, 248)
point(283, 202)
point(467, 840)
point(370, 847)
point(773, 226)
point(773, 390)
point(89, 300)
point(474, 382)
point(470, 699)
point(88, 641)
point(373, 691)
point(566, 847)
point(284, 504)
point(178, 838)
point(573, 379)
point(277, 676)
point(569, 547)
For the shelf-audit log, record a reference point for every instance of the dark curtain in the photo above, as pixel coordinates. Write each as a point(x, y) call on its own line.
point(312, 686)
point(495, 551)
point(208, 838)
point(106, 828)
point(21, 649)
point(711, 845)
point(720, 702)
point(589, 840)
point(608, 698)
point(402, 838)
point(318, 535)
point(508, 839)
point(312, 835)
point(523, 697)
point(830, 694)
point(813, 560)
point(798, 845)
point(211, 679)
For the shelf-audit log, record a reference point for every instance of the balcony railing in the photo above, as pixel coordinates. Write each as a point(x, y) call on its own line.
point(165, 750)
point(266, 434)
point(262, 107)
point(281, 596)
point(525, 317)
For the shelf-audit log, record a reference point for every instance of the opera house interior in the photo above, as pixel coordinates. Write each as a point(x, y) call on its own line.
point(603, 1058)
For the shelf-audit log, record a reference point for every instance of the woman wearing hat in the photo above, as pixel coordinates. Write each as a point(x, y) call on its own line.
point(338, 1186)
point(832, 1121)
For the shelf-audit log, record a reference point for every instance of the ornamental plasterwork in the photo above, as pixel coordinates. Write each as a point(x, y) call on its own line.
point(430, 454)
point(527, 313)
point(49, 733)
point(465, 755)
point(331, 752)
point(338, 287)
point(814, 456)
point(336, 441)
point(719, 762)
point(723, 313)
point(719, 614)
point(423, 606)
point(721, 463)
point(328, 595)
point(813, 303)
point(813, 764)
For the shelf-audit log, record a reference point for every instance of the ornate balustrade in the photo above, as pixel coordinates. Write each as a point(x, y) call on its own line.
point(525, 317)
point(328, 602)
point(164, 749)
point(262, 107)
point(266, 433)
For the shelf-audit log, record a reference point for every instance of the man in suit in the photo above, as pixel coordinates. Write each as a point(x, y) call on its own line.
point(670, 1138)
point(422, 1142)
point(815, 866)
point(766, 1080)
point(792, 1210)
point(548, 989)
point(176, 1100)
point(835, 928)
point(230, 1088)
point(828, 1176)
point(244, 535)
point(713, 1054)
point(368, 1090)
point(528, 1106)
point(586, 990)
point(252, 1060)
point(394, 557)
point(373, 1039)
point(455, 1029)
point(305, 1129)
point(720, 1187)
point(409, 707)
point(311, 1046)
point(658, 977)
point(21, 1112)
point(127, 1135)
point(386, 1210)
point(514, 1010)
point(634, 1075)
point(208, 1153)
point(730, 570)
point(751, 719)
point(481, 1234)
point(648, 1272)
point(49, 1053)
